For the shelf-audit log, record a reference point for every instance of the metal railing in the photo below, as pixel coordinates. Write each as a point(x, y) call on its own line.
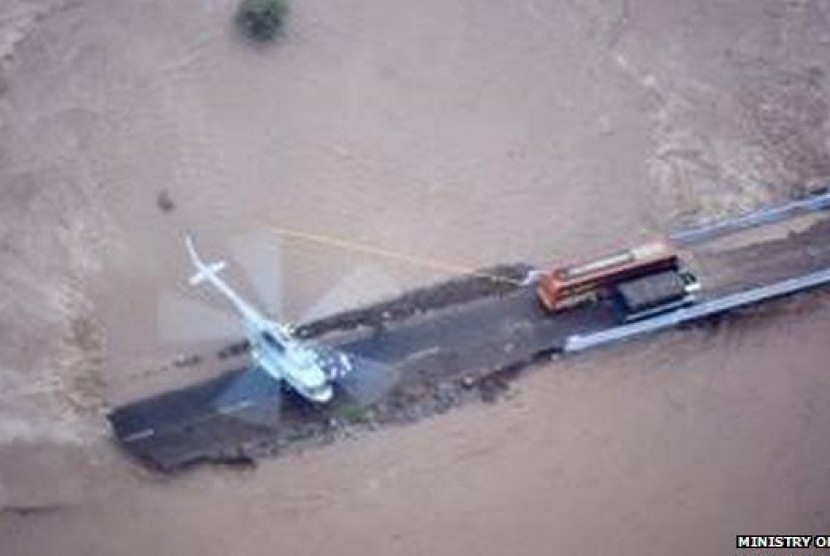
point(580, 342)
point(769, 215)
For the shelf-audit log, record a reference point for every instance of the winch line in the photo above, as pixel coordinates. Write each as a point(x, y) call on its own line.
point(381, 252)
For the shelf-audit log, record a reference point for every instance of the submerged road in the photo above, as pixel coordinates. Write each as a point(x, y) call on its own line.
point(469, 339)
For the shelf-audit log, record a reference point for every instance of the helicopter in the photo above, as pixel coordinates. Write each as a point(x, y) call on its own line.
point(278, 357)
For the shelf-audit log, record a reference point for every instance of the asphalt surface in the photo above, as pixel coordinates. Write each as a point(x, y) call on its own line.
point(469, 340)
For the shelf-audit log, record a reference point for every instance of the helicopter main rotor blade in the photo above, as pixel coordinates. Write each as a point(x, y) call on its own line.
point(253, 397)
point(366, 380)
point(259, 254)
point(366, 284)
point(184, 320)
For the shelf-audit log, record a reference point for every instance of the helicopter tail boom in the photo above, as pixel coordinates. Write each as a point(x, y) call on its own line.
point(210, 272)
point(204, 270)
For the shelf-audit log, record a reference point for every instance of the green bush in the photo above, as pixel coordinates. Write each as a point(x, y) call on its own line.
point(352, 414)
point(261, 20)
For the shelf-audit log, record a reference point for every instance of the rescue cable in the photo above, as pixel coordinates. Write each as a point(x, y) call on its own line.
point(381, 252)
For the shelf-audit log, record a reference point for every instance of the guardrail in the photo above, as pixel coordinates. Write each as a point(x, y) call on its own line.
point(758, 218)
point(581, 342)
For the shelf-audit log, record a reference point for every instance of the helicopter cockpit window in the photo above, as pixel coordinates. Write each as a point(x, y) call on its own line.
point(270, 341)
point(316, 390)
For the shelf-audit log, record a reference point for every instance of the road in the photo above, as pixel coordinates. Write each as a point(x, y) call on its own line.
point(435, 350)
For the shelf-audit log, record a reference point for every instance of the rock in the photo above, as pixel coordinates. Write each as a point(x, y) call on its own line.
point(187, 360)
point(164, 202)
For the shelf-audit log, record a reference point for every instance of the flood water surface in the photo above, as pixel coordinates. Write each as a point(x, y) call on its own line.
point(466, 133)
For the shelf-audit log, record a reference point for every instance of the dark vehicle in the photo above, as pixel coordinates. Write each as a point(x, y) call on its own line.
point(654, 294)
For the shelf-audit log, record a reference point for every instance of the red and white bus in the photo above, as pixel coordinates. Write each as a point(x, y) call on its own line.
point(568, 286)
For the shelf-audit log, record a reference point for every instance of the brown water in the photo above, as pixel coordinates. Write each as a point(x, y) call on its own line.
point(467, 132)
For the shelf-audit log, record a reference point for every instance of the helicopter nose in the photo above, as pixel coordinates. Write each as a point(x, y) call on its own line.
point(320, 394)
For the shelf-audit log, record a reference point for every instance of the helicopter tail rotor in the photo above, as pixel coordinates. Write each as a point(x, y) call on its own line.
point(209, 270)
point(203, 270)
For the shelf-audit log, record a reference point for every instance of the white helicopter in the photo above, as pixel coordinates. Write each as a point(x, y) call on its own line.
point(277, 355)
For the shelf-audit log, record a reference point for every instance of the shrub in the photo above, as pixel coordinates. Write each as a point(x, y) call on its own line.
point(261, 20)
point(352, 414)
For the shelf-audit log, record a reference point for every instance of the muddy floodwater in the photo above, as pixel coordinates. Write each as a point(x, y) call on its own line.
point(422, 139)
